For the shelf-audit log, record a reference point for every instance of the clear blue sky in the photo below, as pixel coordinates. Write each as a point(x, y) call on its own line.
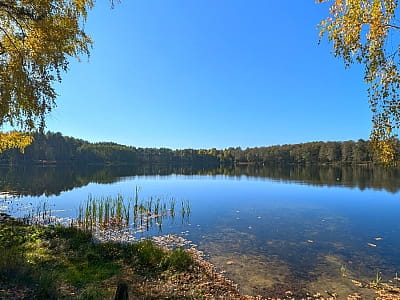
point(204, 74)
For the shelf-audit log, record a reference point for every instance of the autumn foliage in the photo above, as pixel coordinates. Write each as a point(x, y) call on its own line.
point(14, 140)
point(37, 37)
point(361, 32)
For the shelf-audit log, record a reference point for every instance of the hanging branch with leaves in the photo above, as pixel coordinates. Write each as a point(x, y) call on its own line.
point(37, 37)
point(359, 31)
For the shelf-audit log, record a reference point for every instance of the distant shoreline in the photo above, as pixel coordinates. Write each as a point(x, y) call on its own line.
point(54, 148)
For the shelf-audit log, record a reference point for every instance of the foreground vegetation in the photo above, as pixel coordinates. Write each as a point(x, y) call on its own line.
point(56, 148)
point(56, 262)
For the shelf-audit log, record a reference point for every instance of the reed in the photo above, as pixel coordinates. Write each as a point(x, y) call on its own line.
point(343, 271)
point(41, 215)
point(185, 211)
point(378, 279)
point(120, 213)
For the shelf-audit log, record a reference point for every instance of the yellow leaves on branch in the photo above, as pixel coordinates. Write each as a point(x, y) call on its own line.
point(10, 140)
point(386, 150)
point(359, 31)
point(37, 38)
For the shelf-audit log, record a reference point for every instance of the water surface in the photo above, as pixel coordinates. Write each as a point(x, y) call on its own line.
point(270, 229)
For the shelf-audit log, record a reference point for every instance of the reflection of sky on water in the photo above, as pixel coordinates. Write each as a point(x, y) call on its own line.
point(296, 222)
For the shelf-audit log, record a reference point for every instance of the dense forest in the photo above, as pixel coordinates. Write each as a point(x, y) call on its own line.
point(56, 148)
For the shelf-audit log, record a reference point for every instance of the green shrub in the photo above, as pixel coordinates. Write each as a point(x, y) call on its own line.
point(179, 260)
point(150, 255)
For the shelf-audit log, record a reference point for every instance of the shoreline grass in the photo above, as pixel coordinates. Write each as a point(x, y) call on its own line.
point(53, 262)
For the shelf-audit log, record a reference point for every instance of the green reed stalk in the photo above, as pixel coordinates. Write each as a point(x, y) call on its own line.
point(172, 207)
point(157, 206)
point(149, 205)
point(87, 214)
point(94, 213)
point(127, 209)
point(183, 211)
point(106, 213)
point(119, 205)
point(80, 215)
point(100, 211)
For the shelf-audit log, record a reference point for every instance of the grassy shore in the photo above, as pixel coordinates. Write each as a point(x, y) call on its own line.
point(56, 262)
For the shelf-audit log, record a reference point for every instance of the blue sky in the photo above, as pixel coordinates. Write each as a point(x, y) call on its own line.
point(204, 74)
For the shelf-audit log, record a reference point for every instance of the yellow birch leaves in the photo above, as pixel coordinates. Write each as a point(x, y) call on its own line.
point(14, 140)
point(359, 31)
point(36, 39)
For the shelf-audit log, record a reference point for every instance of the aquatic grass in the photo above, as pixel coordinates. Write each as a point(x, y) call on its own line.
point(106, 218)
point(40, 215)
point(120, 213)
point(343, 271)
point(119, 203)
point(185, 211)
point(101, 211)
point(378, 278)
point(94, 211)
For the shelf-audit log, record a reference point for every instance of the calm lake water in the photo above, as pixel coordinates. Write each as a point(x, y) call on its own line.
point(270, 229)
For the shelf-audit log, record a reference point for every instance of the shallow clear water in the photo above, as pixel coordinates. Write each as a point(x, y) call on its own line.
point(270, 234)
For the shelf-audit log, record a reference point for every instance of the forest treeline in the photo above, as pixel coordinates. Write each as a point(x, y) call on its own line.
point(56, 148)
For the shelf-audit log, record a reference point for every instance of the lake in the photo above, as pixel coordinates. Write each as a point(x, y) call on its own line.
point(270, 229)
